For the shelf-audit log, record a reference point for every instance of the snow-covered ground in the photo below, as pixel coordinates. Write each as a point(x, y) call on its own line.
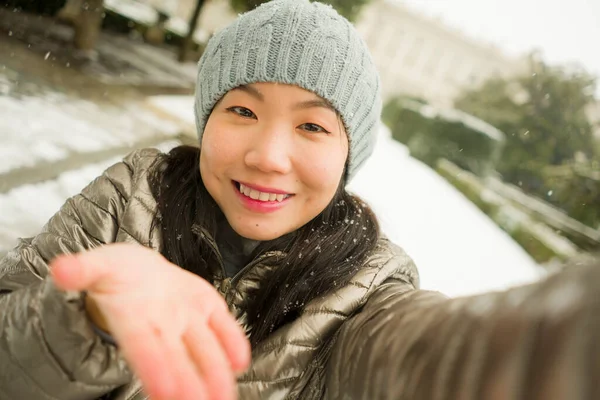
point(49, 126)
point(25, 209)
point(457, 248)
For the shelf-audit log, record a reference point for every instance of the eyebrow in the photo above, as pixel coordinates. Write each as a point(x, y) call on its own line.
point(251, 91)
point(321, 103)
point(315, 103)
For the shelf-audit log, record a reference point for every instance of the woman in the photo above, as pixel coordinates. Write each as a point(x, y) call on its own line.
point(180, 264)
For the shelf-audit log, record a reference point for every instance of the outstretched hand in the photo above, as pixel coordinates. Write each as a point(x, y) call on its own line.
point(173, 328)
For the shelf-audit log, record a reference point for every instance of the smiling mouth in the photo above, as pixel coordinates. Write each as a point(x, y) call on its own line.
point(260, 196)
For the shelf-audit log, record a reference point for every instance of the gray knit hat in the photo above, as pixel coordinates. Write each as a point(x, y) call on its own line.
point(301, 43)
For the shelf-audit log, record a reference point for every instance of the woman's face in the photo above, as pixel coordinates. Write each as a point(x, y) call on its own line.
point(272, 158)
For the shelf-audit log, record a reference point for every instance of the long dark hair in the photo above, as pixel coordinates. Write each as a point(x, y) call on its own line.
point(320, 256)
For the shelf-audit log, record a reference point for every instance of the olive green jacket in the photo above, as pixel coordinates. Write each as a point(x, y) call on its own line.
point(378, 337)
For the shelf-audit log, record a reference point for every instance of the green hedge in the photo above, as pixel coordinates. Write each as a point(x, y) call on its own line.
point(431, 134)
point(576, 189)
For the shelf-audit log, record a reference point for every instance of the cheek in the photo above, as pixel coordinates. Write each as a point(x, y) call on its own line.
point(217, 148)
point(323, 171)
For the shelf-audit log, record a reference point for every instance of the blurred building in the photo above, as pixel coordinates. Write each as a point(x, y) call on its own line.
point(215, 15)
point(420, 56)
point(417, 56)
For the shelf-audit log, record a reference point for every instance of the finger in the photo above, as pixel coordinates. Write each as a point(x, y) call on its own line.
point(191, 385)
point(210, 359)
point(232, 338)
point(149, 359)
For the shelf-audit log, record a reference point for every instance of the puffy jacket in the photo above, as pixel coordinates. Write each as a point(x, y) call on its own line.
point(379, 337)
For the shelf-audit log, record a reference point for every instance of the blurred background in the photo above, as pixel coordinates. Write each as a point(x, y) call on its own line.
point(487, 168)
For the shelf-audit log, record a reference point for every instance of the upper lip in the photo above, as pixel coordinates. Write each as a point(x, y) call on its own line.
point(263, 188)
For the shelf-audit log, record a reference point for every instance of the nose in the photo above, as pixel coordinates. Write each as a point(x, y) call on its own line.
point(271, 150)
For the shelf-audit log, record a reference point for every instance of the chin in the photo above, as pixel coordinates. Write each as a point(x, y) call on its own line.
point(254, 232)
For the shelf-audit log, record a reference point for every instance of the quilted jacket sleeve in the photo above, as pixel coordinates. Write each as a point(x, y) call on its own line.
point(533, 342)
point(48, 349)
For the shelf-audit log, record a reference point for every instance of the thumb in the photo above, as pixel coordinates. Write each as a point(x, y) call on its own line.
point(72, 272)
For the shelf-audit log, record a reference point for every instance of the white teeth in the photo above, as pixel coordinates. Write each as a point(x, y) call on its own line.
point(245, 189)
point(261, 196)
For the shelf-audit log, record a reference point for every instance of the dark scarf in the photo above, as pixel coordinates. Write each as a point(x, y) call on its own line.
point(235, 249)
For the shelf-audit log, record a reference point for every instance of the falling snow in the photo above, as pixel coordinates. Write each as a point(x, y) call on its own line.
point(457, 248)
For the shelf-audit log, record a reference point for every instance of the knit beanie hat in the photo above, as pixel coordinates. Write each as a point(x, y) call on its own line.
point(301, 43)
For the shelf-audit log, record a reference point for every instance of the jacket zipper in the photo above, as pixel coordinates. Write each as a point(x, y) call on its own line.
point(248, 266)
point(228, 283)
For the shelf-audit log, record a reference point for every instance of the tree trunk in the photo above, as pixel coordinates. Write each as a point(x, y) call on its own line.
point(69, 13)
point(156, 34)
point(189, 38)
point(88, 24)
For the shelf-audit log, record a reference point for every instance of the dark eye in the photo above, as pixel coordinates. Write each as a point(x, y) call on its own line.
point(309, 127)
point(242, 112)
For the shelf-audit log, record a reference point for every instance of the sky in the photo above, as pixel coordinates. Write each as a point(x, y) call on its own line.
point(564, 30)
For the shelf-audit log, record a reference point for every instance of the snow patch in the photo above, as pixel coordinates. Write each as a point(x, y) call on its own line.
point(27, 208)
point(457, 248)
point(181, 107)
point(50, 126)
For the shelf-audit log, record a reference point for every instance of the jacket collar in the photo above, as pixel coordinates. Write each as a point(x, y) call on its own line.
point(235, 289)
